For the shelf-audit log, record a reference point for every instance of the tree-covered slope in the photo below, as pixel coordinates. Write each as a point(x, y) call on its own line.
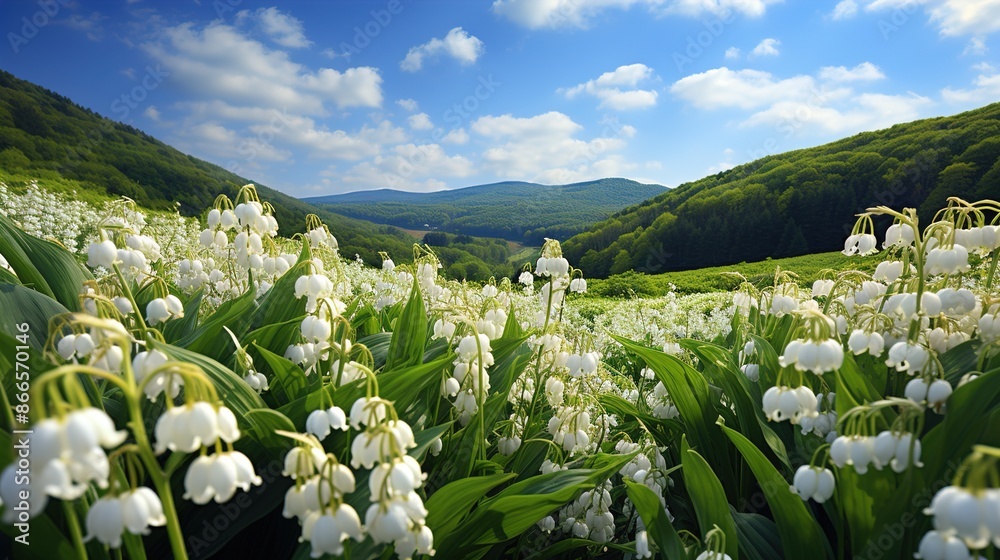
point(799, 202)
point(46, 135)
point(519, 211)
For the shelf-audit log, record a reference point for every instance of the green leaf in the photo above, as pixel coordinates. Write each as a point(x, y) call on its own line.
point(655, 517)
point(234, 392)
point(449, 504)
point(287, 381)
point(708, 497)
point(759, 537)
point(519, 506)
point(43, 265)
point(177, 329)
point(690, 392)
point(20, 305)
point(410, 333)
point(211, 339)
point(801, 535)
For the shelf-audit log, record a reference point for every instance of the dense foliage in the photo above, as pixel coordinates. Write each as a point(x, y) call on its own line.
point(518, 211)
point(214, 374)
point(799, 202)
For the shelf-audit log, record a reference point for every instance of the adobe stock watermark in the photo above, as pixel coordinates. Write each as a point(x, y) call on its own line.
point(122, 107)
point(900, 16)
point(697, 44)
point(31, 25)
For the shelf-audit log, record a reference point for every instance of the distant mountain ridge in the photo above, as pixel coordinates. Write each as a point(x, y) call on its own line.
point(514, 210)
point(799, 202)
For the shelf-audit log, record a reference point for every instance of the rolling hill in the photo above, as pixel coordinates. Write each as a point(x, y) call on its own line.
point(514, 210)
point(799, 202)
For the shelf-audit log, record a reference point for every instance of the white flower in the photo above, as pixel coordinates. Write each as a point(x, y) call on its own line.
point(526, 279)
point(947, 261)
point(578, 285)
point(161, 310)
point(861, 342)
point(817, 357)
point(785, 403)
point(102, 254)
point(813, 482)
point(860, 244)
point(142, 509)
point(711, 555)
point(321, 422)
point(938, 393)
point(326, 532)
point(941, 546)
point(106, 522)
point(898, 235)
point(911, 358)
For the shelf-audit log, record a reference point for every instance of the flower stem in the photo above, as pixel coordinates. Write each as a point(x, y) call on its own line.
point(74, 530)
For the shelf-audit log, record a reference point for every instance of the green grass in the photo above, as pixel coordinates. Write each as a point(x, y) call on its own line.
point(808, 268)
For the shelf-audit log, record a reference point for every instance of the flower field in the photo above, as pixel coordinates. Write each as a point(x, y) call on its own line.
point(158, 370)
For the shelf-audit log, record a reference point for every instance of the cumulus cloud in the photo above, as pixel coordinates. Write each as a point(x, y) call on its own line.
point(537, 14)
point(457, 44)
point(866, 71)
point(546, 148)
point(732, 53)
point(152, 113)
point(618, 89)
point(409, 167)
point(281, 28)
point(844, 9)
point(826, 104)
point(456, 136)
point(986, 89)
point(220, 62)
point(767, 47)
point(420, 121)
point(408, 104)
point(953, 17)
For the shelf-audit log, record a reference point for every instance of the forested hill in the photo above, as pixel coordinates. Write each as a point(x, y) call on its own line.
point(514, 210)
point(46, 135)
point(799, 202)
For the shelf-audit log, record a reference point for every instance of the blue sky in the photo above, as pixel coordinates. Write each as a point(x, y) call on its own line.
point(333, 96)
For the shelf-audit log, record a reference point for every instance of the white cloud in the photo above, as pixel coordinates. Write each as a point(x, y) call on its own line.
point(128, 73)
point(867, 111)
point(608, 88)
point(977, 47)
point(732, 53)
point(152, 113)
point(746, 89)
point(420, 121)
point(408, 104)
point(457, 44)
point(320, 141)
point(537, 14)
point(218, 62)
point(802, 104)
point(282, 28)
point(866, 71)
point(456, 136)
point(767, 47)
point(986, 89)
point(215, 140)
point(984, 67)
point(409, 167)
point(953, 17)
point(546, 148)
point(844, 9)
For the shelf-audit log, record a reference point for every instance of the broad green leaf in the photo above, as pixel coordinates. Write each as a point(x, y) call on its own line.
point(177, 329)
point(690, 393)
point(450, 503)
point(801, 535)
point(210, 338)
point(20, 305)
point(654, 516)
point(519, 506)
point(410, 333)
point(759, 537)
point(43, 265)
point(708, 497)
point(287, 381)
